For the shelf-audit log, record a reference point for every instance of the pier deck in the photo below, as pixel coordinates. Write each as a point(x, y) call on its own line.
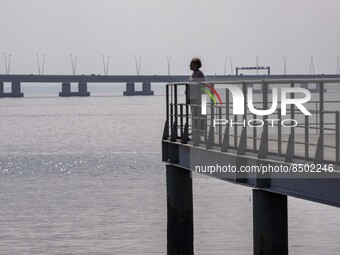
point(277, 161)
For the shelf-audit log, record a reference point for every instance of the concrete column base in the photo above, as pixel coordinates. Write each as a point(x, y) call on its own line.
point(180, 234)
point(270, 223)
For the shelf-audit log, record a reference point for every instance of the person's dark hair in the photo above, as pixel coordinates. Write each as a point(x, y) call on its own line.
point(197, 62)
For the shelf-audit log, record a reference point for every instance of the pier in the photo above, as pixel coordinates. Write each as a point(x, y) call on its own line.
point(246, 148)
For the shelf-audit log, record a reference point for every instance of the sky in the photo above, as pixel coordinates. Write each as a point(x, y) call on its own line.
point(182, 29)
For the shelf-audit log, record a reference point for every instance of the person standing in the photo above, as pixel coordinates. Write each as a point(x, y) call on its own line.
point(194, 99)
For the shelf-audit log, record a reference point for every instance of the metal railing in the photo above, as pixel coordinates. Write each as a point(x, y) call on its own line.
point(315, 137)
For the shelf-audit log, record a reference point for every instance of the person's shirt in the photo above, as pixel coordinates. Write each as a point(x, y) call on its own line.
point(194, 90)
point(197, 76)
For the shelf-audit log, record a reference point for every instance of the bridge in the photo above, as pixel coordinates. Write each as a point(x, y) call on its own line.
point(276, 155)
point(82, 81)
point(130, 80)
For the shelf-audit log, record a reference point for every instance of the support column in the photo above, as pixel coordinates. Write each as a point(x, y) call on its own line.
point(82, 89)
point(16, 90)
point(180, 234)
point(270, 223)
point(130, 89)
point(65, 89)
point(1, 89)
point(146, 86)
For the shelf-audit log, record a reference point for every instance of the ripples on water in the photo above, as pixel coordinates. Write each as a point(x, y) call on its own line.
point(84, 176)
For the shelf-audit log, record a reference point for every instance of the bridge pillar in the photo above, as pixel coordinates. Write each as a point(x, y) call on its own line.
point(66, 90)
point(146, 90)
point(16, 90)
point(270, 223)
point(130, 89)
point(180, 234)
point(1, 88)
point(82, 89)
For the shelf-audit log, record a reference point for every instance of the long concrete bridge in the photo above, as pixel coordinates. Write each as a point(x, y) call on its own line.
point(82, 81)
point(130, 80)
point(294, 155)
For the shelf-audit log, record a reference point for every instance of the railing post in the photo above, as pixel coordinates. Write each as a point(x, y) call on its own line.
point(337, 137)
point(220, 126)
point(235, 133)
point(181, 118)
point(175, 102)
point(254, 135)
point(265, 106)
point(321, 99)
point(244, 88)
point(306, 137)
point(227, 129)
point(171, 107)
point(279, 133)
point(167, 102)
point(292, 129)
point(316, 118)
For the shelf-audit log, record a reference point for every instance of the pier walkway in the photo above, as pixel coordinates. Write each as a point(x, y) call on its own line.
point(285, 152)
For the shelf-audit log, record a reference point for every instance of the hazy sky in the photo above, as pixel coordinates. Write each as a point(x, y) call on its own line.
point(153, 29)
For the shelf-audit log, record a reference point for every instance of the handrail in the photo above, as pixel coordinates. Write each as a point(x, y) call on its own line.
point(268, 80)
point(311, 132)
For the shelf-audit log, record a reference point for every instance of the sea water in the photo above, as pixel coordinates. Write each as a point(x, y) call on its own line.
point(84, 176)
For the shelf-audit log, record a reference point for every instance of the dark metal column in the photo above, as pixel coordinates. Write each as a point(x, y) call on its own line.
point(82, 89)
point(130, 89)
point(16, 90)
point(180, 234)
point(65, 89)
point(270, 223)
point(146, 86)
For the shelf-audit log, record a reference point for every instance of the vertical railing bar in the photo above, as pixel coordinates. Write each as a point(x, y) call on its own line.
point(171, 106)
point(292, 116)
point(212, 109)
point(181, 118)
point(187, 101)
point(167, 102)
point(265, 107)
point(206, 128)
point(316, 118)
point(254, 136)
point(244, 88)
point(227, 116)
point(306, 137)
point(321, 99)
point(176, 106)
point(279, 133)
point(188, 119)
point(235, 132)
point(337, 134)
point(220, 126)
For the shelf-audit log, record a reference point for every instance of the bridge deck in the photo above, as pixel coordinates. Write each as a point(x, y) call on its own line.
point(95, 78)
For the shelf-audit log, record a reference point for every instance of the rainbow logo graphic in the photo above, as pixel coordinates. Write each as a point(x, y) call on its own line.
point(209, 90)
